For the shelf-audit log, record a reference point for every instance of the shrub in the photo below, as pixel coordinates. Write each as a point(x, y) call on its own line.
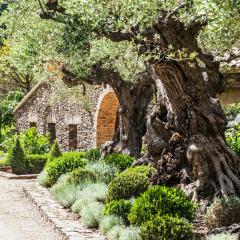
point(120, 208)
point(33, 142)
point(37, 162)
point(81, 175)
point(130, 183)
point(66, 163)
point(91, 214)
point(223, 236)
point(43, 179)
point(161, 200)
point(17, 159)
point(233, 139)
point(166, 228)
point(80, 203)
point(231, 111)
point(108, 222)
point(223, 212)
point(93, 155)
point(64, 192)
point(115, 232)
point(93, 192)
point(55, 151)
point(120, 161)
point(103, 171)
point(130, 233)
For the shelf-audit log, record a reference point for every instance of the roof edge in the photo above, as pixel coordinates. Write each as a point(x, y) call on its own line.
point(29, 94)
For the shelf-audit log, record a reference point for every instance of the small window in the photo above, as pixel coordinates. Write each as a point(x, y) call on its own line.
point(33, 125)
point(52, 131)
point(72, 136)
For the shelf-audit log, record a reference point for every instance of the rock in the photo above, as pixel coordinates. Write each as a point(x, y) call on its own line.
point(237, 119)
point(232, 124)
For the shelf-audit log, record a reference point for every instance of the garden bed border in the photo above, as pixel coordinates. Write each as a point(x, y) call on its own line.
point(64, 221)
point(20, 177)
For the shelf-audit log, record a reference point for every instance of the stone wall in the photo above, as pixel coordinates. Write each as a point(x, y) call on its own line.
point(93, 127)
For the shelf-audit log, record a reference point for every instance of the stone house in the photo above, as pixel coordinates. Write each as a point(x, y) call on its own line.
point(78, 129)
point(73, 126)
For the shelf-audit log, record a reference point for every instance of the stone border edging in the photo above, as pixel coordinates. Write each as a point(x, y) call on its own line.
point(14, 176)
point(63, 220)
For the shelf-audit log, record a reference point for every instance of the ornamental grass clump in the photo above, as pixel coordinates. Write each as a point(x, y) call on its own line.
point(223, 212)
point(130, 233)
point(91, 214)
point(114, 233)
point(104, 172)
point(43, 179)
point(223, 236)
point(108, 222)
point(166, 228)
point(161, 201)
point(64, 192)
point(93, 192)
point(130, 183)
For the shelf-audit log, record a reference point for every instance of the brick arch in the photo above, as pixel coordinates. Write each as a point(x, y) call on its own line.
point(106, 118)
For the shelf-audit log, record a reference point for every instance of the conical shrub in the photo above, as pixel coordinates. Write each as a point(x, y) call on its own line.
point(17, 159)
point(55, 151)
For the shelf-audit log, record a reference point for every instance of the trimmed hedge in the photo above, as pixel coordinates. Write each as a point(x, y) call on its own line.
point(160, 201)
point(120, 161)
point(130, 183)
point(67, 163)
point(81, 175)
point(167, 228)
point(120, 208)
point(37, 162)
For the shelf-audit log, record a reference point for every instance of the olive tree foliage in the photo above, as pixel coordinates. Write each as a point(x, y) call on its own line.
point(175, 46)
point(26, 47)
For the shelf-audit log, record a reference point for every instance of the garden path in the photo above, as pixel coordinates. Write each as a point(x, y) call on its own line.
point(19, 220)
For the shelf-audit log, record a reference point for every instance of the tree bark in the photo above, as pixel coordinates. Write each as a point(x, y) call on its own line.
point(134, 98)
point(186, 134)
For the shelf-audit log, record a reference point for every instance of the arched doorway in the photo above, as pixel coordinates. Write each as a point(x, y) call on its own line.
point(106, 118)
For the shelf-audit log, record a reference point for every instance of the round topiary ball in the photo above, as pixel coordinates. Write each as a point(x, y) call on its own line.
point(166, 227)
point(160, 201)
point(130, 183)
point(81, 175)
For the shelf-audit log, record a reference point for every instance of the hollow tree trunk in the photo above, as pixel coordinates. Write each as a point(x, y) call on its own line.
point(186, 134)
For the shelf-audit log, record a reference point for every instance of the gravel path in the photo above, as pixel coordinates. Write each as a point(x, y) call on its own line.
point(19, 220)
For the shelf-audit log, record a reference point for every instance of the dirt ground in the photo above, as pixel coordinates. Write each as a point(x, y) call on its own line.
point(19, 219)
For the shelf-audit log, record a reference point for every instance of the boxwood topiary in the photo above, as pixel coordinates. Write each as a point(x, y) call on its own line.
point(81, 175)
point(37, 162)
point(121, 161)
point(120, 208)
point(17, 159)
point(130, 183)
point(166, 228)
point(93, 155)
point(55, 151)
point(161, 200)
point(66, 163)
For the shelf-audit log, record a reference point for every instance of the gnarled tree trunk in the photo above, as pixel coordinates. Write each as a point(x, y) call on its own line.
point(186, 134)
